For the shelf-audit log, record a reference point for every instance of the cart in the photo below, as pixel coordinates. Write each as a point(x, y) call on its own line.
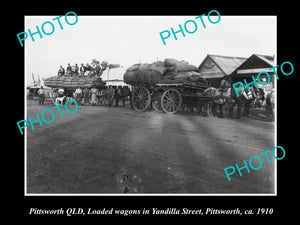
point(169, 98)
point(70, 83)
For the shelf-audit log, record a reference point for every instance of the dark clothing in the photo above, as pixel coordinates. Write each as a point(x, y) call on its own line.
point(69, 71)
point(61, 71)
point(120, 95)
point(76, 69)
point(116, 97)
point(88, 68)
point(82, 69)
point(86, 95)
point(224, 84)
point(41, 99)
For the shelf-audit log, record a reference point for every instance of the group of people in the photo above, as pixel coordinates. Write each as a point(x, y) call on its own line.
point(83, 70)
point(92, 96)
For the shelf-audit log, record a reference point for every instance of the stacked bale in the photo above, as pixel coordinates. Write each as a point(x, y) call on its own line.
point(148, 74)
point(170, 71)
point(74, 82)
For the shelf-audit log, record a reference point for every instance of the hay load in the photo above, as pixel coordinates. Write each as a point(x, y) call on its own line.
point(170, 71)
point(74, 82)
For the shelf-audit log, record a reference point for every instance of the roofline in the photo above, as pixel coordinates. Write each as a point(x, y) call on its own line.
point(209, 55)
point(216, 63)
point(224, 56)
point(256, 55)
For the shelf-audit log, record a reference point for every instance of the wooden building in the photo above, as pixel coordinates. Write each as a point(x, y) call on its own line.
point(252, 67)
point(214, 67)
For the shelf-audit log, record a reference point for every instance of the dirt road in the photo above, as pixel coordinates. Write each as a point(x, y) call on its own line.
point(116, 150)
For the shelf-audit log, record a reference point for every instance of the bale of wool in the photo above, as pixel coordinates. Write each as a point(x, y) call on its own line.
point(193, 78)
point(179, 66)
point(134, 67)
point(180, 81)
point(182, 75)
point(185, 67)
point(158, 67)
point(145, 66)
point(165, 81)
point(73, 85)
point(47, 83)
point(169, 76)
point(148, 77)
point(170, 62)
point(130, 77)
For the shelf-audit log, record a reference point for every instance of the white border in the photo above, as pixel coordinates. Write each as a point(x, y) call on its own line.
point(149, 194)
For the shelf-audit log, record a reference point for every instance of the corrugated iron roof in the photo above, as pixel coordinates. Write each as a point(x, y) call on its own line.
point(227, 63)
point(267, 58)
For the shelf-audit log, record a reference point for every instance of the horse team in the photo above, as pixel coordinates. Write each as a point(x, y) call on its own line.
point(225, 100)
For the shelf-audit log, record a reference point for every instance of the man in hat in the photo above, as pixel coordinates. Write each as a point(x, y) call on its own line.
point(41, 93)
point(61, 96)
point(225, 84)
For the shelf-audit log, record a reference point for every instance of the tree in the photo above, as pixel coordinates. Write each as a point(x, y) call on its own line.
point(100, 67)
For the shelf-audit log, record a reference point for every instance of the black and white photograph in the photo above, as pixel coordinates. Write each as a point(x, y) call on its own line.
point(186, 113)
point(144, 113)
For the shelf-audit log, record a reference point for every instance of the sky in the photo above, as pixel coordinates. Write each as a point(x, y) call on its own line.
point(127, 40)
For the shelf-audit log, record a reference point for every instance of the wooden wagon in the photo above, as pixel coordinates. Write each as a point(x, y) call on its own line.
point(169, 98)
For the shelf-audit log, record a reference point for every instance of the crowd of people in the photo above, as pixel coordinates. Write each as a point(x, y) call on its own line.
point(83, 70)
point(110, 96)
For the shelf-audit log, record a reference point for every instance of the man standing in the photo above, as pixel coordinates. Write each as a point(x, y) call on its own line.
point(224, 85)
point(78, 94)
point(123, 95)
point(76, 68)
point(117, 96)
point(69, 70)
point(82, 69)
point(86, 96)
point(41, 93)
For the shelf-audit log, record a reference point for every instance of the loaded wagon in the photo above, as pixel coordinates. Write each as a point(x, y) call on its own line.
point(167, 86)
point(70, 83)
point(169, 98)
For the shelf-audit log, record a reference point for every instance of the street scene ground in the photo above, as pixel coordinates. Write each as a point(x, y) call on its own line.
point(104, 150)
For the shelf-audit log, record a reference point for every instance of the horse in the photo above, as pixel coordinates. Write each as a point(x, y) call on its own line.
point(220, 98)
point(227, 99)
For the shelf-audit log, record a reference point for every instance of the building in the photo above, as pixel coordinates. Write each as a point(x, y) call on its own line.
point(115, 83)
point(252, 67)
point(214, 67)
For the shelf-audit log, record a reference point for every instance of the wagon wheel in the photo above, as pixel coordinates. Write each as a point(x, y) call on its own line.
point(53, 96)
point(191, 108)
point(156, 102)
point(141, 99)
point(171, 101)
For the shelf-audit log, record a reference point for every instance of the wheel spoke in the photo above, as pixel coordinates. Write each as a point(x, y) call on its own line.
point(171, 101)
point(140, 99)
